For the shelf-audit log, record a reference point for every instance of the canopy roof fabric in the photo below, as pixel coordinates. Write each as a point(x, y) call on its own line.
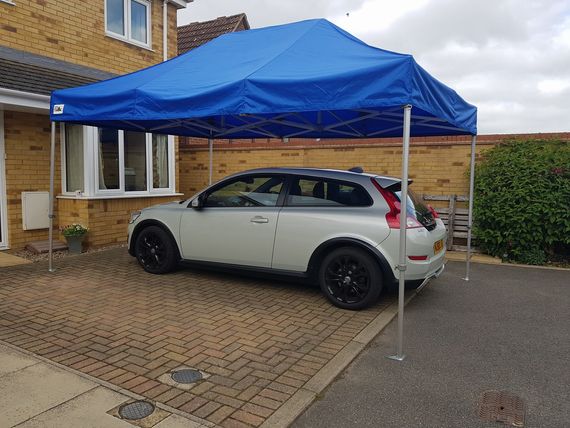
point(309, 79)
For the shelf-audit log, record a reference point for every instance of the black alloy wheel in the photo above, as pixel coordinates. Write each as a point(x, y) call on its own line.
point(155, 250)
point(350, 278)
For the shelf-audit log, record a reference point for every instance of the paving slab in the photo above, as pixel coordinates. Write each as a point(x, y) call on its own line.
point(11, 360)
point(175, 421)
point(7, 260)
point(23, 392)
point(87, 410)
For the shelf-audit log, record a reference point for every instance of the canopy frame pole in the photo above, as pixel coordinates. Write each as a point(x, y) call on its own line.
point(211, 160)
point(51, 196)
point(402, 265)
point(470, 215)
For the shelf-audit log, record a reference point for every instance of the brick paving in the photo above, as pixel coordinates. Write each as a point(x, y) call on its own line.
point(100, 313)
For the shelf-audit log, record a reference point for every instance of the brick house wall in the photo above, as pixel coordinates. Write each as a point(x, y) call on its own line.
point(71, 31)
point(74, 31)
point(27, 168)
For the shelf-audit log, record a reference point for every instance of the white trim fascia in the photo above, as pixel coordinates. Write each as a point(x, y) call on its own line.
point(3, 195)
point(180, 4)
point(11, 97)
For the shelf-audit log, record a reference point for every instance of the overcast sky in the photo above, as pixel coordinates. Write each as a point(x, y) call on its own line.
point(510, 58)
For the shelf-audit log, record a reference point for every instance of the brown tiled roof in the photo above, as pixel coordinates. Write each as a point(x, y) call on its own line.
point(30, 78)
point(197, 33)
point(27, 72)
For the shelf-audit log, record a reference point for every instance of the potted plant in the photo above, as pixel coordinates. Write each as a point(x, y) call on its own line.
point(74, 234)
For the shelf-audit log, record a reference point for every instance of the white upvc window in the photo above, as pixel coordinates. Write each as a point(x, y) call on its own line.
point(129, 20)
point(104, 162)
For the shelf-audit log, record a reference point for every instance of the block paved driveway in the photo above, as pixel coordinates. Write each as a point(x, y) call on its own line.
point(101, 314)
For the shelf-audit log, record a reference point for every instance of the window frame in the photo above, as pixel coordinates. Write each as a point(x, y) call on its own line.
point(296, 177)
point(91, 168)
point(127, 26)
point(280, 198)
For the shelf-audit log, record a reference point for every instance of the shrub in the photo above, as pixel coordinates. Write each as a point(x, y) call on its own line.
point(522, 200)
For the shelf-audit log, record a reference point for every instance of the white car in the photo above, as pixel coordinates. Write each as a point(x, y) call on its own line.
point(337, 228)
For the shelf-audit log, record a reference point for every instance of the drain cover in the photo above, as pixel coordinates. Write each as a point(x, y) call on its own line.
point(501, 406)
point(136, 410)
point(186, 376)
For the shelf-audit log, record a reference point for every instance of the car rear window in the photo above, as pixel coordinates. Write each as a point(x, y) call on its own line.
point(416, 207)
point(328, 193)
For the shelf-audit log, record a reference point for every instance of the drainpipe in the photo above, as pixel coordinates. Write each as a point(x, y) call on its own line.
point(165, 29)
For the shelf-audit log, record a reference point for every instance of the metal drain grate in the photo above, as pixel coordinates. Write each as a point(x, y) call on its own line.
point(186, 376)
point(501, 406)
point(136, 410)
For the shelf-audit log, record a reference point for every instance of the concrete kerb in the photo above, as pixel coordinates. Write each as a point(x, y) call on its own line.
point(110, 386)
point(294, 406)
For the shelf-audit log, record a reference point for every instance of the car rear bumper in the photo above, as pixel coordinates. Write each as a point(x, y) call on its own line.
point(420, 242)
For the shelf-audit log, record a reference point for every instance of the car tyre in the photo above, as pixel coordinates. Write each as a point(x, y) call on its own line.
point(156, 251)
point(350, 278)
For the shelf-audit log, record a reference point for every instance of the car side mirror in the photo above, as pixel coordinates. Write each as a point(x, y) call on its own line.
point(198, 203)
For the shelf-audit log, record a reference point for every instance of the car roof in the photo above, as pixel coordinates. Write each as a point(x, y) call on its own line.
point(323, 172)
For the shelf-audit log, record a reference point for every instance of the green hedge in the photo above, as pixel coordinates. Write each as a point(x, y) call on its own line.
point(522, 200)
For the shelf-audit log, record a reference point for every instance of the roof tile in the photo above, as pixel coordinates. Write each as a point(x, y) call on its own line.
point(197, 33)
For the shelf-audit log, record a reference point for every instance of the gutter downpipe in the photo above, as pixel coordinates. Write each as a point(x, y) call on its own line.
point(164, 30)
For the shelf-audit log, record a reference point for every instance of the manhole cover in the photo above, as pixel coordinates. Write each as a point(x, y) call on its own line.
point(136, 410)
point(500, 406)
point(186, 376)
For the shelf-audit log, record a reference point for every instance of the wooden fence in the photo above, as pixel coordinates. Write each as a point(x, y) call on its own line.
point(455, 219)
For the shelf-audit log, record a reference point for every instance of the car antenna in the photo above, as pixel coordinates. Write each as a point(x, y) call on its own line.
point(357, 169)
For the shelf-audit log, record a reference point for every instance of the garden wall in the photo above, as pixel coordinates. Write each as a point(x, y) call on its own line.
point(438, 165)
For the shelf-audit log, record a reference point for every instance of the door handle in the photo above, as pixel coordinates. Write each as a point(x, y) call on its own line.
point(259, 219)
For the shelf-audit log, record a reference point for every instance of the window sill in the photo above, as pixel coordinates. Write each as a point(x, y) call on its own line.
point(11, 3)
point(121, 196)
point(128, 41)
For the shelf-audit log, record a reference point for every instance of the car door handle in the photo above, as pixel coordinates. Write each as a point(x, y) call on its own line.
point(259, 219)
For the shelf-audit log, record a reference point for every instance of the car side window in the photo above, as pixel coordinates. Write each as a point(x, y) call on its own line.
point(323, 192)
point(247, 191)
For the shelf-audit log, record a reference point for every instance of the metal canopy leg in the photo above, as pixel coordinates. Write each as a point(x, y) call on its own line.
point(211, 155)
point(470, 218)
point(51, 195)
point(403, 223)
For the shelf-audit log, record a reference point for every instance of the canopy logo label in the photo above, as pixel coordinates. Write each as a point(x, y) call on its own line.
point(58, 108)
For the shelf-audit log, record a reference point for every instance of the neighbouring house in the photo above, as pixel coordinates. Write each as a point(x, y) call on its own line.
point(197, 33)
point(102, 174)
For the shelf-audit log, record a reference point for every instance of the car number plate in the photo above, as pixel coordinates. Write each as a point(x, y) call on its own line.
point(438, 246)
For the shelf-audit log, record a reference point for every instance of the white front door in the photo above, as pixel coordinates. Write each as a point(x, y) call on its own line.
point(3, 200)
point(237, 223)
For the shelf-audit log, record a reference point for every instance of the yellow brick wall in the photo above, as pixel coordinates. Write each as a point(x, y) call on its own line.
point(27, 147)
point(74, 31)
point(107, 219)
point(435, 169)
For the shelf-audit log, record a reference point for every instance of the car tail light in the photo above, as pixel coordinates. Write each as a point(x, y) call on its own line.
point(393, 216)
point(433, 211)
point(418, 257)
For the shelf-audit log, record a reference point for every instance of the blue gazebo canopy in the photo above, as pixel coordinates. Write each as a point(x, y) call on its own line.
point(307, 79)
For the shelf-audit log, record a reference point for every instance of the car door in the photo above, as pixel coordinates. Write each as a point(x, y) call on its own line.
point(319, 209)
point(237, 222)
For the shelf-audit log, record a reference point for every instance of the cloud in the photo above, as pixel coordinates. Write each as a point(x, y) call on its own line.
point(510, 58)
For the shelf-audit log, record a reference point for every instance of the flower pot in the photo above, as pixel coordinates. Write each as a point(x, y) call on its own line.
point(74, 244)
